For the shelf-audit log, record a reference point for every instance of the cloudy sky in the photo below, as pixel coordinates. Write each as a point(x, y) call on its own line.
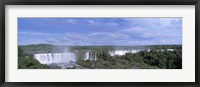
point(100, 31)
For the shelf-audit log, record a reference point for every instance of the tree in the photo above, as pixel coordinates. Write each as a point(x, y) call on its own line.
point(28, 63)
point(20, 52)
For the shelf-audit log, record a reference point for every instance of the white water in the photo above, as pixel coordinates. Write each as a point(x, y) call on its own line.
point(48, 58)
point(122, 52)
point(90, 56)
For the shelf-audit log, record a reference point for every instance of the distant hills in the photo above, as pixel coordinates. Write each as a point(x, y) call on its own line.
point(48, 48)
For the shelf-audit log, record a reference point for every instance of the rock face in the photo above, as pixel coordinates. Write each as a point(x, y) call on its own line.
point(49, 58)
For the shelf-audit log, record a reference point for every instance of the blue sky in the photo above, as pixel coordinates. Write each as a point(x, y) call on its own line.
point(100, 31)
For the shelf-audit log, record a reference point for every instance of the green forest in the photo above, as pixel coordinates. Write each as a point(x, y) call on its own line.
point(153, 59)
point(141, 60)
point(25, 62)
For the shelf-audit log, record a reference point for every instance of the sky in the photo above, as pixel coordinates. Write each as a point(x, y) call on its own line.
point(100, 31)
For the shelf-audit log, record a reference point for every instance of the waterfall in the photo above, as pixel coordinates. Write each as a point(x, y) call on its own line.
point(48, 58)
point(122, 52)
point(86, 57)
point(90, 56)
point(118, 52)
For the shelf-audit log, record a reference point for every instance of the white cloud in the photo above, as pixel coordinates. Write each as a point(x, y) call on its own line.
point(111, 24)
point(92, 22)
point(101, 23)
point(57, 20)
point(155, 23)
point(140, 32)
point(135, 29)
point(71, 21)
point(73, 36)
point(37, 33)
point(108, 35)
point(64, 41)
point(159, 35)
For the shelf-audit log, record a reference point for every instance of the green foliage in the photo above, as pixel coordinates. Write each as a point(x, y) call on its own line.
point(20, 53)
point(155, 59)
point(41, 48)
point(27, 62)
point(142, 60)
point(165, 59)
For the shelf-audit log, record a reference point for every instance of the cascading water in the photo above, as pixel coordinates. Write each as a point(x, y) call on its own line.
point(90, 56)
point(122, 52)
point(49, 58)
